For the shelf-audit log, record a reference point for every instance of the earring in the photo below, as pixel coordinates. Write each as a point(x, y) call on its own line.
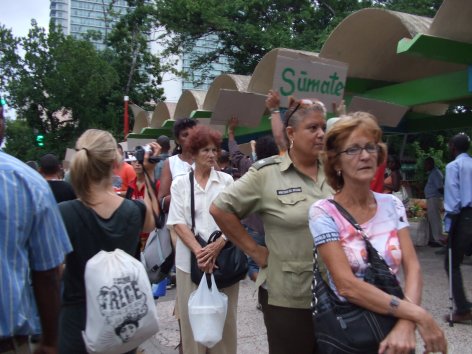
point(291, 143)
point(338, 172)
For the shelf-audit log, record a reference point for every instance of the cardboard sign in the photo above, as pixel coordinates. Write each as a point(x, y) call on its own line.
point(309, 77)
point(248, 107)
point(245, 148)
point(387, 114)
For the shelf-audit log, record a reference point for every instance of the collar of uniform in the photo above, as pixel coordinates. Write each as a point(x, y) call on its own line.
point(286, 162)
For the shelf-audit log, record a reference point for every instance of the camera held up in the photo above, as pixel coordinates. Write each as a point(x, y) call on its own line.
point(140, 151)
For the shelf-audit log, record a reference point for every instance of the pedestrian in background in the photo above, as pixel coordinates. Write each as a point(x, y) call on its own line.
point(50, 169)
point(433, 192)
point(458, 222)
point(164, 143)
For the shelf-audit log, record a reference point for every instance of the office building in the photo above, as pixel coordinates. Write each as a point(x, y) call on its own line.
point(77, 17)
point(201, 46)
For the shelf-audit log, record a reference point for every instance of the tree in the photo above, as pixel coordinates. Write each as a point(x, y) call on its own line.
point(140, 71)
point(20, 140)
point(248, 29)
point(62, 86)
point(61, 83)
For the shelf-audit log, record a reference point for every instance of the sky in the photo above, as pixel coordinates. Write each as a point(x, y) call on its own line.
point(17, 14)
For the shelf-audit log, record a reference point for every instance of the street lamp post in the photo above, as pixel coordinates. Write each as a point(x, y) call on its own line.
point(126, 119)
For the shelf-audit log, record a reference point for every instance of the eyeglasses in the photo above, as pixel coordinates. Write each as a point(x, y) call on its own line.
point(356, 150)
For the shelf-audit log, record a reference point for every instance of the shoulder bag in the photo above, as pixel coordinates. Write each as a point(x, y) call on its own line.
point(231, 263)
point(342, 327)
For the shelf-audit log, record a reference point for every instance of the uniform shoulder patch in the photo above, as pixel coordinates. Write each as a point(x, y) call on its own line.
point(266, 162)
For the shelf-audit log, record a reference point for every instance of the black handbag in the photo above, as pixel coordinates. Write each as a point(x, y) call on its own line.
point(342, 327)
point(231, 262)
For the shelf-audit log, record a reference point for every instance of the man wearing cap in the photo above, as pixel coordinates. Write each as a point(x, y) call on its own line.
point(164, 142)
point(33, 244)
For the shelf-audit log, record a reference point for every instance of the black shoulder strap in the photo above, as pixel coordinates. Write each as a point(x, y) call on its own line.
point(142, 209)
point(192, 200)
point(346, 215)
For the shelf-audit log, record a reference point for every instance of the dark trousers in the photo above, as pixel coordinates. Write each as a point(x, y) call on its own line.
point(289, 330)
point(460, 238)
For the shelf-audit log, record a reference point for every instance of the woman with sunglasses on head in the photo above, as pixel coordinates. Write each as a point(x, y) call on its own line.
point(352, 152)
point(281, 189)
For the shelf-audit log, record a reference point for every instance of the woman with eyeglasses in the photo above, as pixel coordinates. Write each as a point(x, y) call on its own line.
point(352, 152)
point(281, 189)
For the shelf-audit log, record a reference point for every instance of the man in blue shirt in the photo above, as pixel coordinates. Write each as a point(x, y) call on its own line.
point(33, 244)
point(458, 206)
point(433, 191)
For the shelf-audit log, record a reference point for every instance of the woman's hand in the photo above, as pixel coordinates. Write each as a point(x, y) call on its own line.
point(273, 100)
point(400, 340)
point(148, 166)
point(232, 124)
point(432, 334)
point(206, 257)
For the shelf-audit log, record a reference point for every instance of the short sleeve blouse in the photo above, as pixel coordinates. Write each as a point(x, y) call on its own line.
point(328, 225)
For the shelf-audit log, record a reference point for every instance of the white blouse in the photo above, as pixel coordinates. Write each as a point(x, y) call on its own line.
point(180, 213)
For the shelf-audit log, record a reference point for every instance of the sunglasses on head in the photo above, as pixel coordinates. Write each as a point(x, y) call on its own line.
point(305, 102)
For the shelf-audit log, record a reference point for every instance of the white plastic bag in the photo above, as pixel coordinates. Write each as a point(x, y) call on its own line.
point(207, 313)
point(121, 313)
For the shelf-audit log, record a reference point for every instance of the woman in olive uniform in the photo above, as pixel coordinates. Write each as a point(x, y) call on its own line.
point(281, 189)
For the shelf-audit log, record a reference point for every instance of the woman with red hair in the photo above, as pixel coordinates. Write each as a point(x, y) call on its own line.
point(204, 145)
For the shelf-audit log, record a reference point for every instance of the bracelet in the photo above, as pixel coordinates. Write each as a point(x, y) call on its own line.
point(394, 303)
point(274, 110)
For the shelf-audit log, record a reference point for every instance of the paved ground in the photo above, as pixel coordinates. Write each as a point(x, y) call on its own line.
point(251, 330)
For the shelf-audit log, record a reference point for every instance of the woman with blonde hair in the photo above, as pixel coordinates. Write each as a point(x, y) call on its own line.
point(98, 220)
point(352, 151)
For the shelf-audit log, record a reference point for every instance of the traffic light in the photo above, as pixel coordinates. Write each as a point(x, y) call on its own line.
point(40, 140)
point(3, 102)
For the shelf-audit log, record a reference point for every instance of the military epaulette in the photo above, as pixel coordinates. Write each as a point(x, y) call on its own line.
point(266, 162)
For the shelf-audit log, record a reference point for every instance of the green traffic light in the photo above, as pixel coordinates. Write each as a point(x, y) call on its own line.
point(3, 102)
point(40, 140)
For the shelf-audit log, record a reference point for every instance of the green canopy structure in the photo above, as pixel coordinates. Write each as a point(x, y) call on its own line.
point(413, 73)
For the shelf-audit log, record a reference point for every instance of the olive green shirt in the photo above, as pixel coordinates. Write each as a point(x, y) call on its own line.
point(281, 195)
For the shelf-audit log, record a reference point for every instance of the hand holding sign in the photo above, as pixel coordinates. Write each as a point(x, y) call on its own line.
point(319, 78)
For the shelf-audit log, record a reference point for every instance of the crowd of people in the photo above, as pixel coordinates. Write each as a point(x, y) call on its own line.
point(275, 204)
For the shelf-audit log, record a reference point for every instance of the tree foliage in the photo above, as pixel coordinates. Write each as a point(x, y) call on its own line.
point(20, 140)
point(140, 71)
point(248, 29)
point(59, 82)
point(62, 86)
